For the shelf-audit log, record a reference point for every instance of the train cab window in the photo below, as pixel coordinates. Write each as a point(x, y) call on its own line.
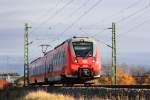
point(83, 49)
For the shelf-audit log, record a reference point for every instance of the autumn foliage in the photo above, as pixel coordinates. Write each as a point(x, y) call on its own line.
point(122, 78)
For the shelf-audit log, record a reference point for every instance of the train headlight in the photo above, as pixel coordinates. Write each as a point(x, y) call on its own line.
point(75, 60)
point(93, 60)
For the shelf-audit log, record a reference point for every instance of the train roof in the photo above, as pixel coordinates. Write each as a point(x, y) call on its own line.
point(80, 38)
point(35, 60)
point(74, 38)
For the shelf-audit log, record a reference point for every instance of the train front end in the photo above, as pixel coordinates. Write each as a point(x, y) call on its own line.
point(84, 58)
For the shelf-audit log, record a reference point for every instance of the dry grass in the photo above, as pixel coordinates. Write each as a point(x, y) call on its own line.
point(124, 78)
point(104, 80)
point(42, 95)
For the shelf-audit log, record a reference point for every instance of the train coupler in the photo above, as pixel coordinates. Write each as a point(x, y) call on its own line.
point(84, 72)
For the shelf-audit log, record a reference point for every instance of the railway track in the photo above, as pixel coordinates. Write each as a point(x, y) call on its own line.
point(119, 86)
point(88, 85)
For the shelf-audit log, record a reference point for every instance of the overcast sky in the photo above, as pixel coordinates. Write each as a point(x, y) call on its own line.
point(53, 21)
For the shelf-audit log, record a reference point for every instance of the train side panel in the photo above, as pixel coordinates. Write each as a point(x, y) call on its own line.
point(58, 63)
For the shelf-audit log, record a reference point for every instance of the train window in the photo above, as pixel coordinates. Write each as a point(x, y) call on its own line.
point(63, 57)
point(60, 57)
point(56, 59)
point(34, 71)
point(54, 62)
point(40, 69)
point(48, 70)
point(31, 71)
point(37, 70)
point(83, 49)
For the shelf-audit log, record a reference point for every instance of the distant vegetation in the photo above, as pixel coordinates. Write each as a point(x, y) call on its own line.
point(122, 78)
point(126, 75)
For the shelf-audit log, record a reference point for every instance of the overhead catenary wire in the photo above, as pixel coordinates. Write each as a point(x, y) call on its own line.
point(135, 18)
point(49, 10)
point(52, 16)
point(80, 7)
point(126, 8)
point(86, 12)
point(134, 27)
point(120, 11)
point(132, 5)
point(70, 26)
point(85, 3)
point(78, 19)
point(133, 14)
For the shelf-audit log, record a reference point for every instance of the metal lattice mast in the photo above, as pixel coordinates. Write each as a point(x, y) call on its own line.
point(114, 70)
point(26, 56)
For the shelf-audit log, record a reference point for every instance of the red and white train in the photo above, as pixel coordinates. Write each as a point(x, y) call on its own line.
point(75, 60)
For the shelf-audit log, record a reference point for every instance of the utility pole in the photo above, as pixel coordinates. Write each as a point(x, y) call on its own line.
point(114, 65)
point(26, 56)
point(114, 70)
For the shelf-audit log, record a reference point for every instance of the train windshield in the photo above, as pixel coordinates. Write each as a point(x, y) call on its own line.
point(83, 49)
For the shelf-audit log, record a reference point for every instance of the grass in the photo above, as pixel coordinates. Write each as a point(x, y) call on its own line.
point(38, 94)
point(57, 93)
point(42, 95)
